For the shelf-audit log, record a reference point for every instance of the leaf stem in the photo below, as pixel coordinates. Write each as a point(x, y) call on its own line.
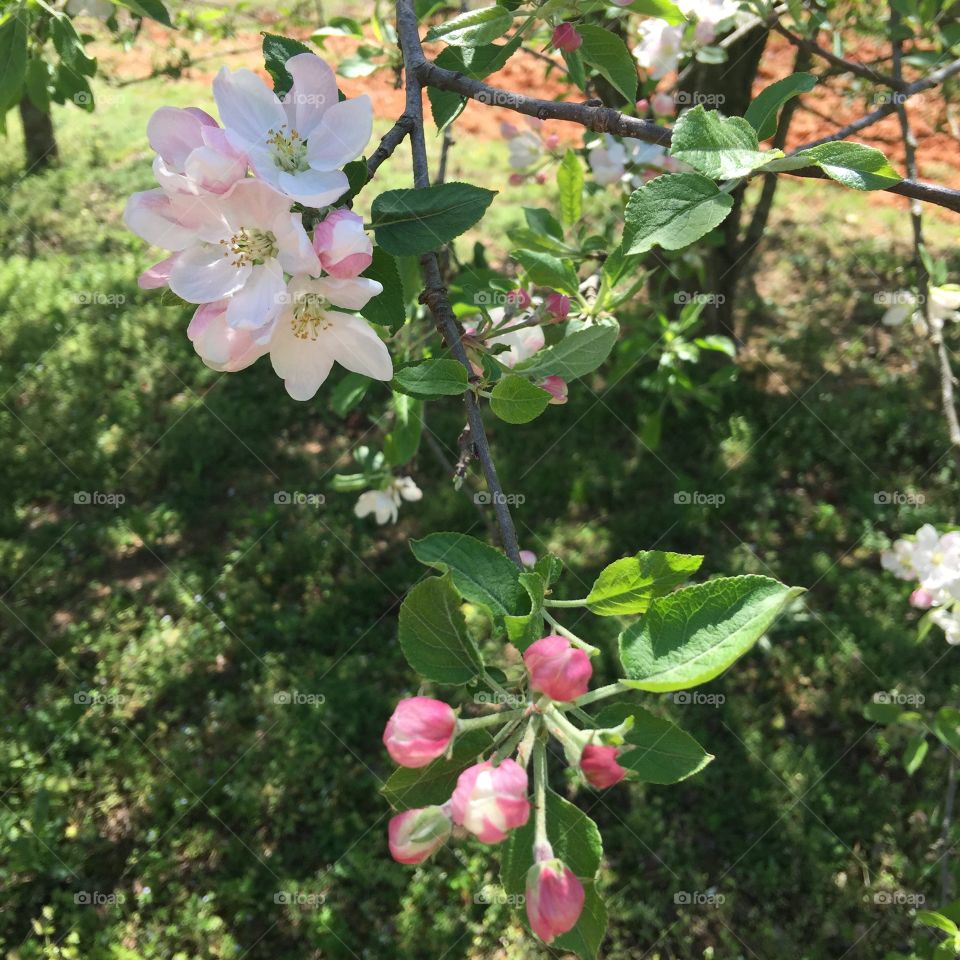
point(565, 603)
point(570, 635)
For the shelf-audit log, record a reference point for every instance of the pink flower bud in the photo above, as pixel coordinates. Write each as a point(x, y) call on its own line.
point(541, 178)
point(419, 731)
point(600, 767)
point(558, 306)
point(921, 599)
point(554, 899)
point(551, 141)
point(528, 558)
point(557, 668)
point(663, 104)
point(515, 179)
point(643, 105)
point(566, 38)
point(416, 834)
point(556, 387)
point(508, 130)
point(490, 801)
point(519, 298)
point(343, 247)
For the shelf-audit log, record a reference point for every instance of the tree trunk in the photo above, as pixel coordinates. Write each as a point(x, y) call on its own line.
point(39, 141)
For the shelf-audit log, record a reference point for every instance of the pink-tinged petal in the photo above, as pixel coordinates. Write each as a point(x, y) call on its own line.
point(215, 171)
point(557, 668)
point(303, 365)
point(203, 274)
point(158, 275)
point(343, 246)
point(219, 345)
point(252, 204)
point(554, 899)
point(354, 345)
point(174, 133)
point(352, 294)
point(295, 252)
point(261, 300)
point(343, 133)
point(315, 188)
point(599, 765)
point(313, 92)
point(152, 215)
point(202, 115)
point(416, 834)
point(419, 730)
point(246, 104)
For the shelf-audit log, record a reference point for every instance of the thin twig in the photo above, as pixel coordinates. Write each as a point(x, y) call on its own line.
point(946, 823)
point(435, 294)
point(389, 142)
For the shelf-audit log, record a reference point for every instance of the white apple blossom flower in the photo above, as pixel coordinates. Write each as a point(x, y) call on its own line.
point(608, 161)
point(658, 49)
point(385, 504)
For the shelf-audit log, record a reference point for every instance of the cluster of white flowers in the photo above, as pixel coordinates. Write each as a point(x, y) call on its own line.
point(933, 561)
point(943, 305)
point(610, 159)
point(240, 251)
point(384, 504)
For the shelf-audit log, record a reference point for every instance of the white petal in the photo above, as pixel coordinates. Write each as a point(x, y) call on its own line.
point(295, 251)
point(313, 92)
point(342, 134)
point(152, 215)
point(203, 274)
point(303, 365)
point(252, 203)
point(260, 301)
point(352, 294)
point(354, 345)
point(314, 188)
point(246, 104)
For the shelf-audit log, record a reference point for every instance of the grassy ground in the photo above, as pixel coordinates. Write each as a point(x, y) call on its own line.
point(157, 801)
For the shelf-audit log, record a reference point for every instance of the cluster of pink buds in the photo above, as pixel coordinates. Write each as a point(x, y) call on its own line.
point(491, 796)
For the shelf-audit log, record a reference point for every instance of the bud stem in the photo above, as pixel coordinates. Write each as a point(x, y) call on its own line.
point(541, 843)
point(491, 720)
point(572, 637)
point(565, 603)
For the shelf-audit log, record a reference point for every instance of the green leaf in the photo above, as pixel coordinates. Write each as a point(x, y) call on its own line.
point(694, 634)
point(410, 222)
point(37, 82)
point(608, 54)
point(349, 392)
point(570, 184)
point(386, 308)
point(13, 58)
point(431, 378)
point(277, 51)
point(433, 634)
point(914, 753)
point(542, 221)
point(718, 147)
point(853, 164)
point(627, 586)
point(656, 750)
point(673, 211)
point(153, 9)
point(68, 44)
point(938, 921)
point(481, 574)
point(661, 9)
point(576, 841)
point(884, 713)
point(516, 400)
point(408, 788)
point(546, 270)
point(763, 111)
point(474, 28)
point(400, 445)
point(946, 725)
point(525, 629)
point(580, 352)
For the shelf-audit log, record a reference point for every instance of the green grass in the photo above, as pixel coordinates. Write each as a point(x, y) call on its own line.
point(144, 754)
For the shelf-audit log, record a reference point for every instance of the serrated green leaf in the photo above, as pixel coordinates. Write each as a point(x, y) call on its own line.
point(433, 634)
point(608, 54)
point(580, 352)
point(570, 179)
point(349, 392)
point(481, 574)
point(627, 586)
point(546, 270)
point(718, 147)
point(13, 58)
point(153, 9)
point(277, 51)
point(386, 308)
point(915, 752)
point(673, 211)
point(694, 634)
point(516, 400)
point(410, 222)
point(853, 164)
point(431, 378)
point(763, 111)
point(400, 445)
point(474, 28)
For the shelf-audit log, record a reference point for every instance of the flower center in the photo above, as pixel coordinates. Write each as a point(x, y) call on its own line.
point(250, 246)
point(289, 150)
point(310, 316)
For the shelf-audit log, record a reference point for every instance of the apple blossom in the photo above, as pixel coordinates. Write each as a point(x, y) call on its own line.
point(385, 504)
point(219, 345)
point(663, 104)
point(528, 558)
point(419, 730)
point(599, 765)
point(566, 38)
point(343, 247)
point(554, 899)
point(607, 160)
point(297, 144)
point(557, 668)
point(490, 801)
point(415, 835)
point(558, 306)
point(922, 599)
point(556, 387)
point(658, 49)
